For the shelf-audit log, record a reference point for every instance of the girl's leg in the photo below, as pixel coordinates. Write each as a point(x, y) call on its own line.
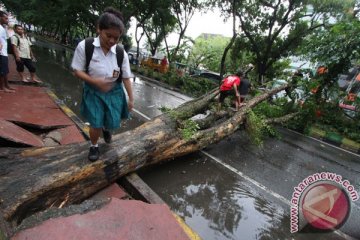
point(95, 135)
point(94, 152)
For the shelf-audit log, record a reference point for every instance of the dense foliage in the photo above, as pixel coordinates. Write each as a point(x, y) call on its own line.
point(207, 51)
point(194, 87)
point(337, 47)
point(266, 33)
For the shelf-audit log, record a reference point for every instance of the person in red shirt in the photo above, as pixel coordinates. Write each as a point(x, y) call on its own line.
point(164, 61)
point(229, 87)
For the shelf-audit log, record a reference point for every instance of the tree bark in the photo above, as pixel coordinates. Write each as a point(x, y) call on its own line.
point(36, 179)
point(227, 48)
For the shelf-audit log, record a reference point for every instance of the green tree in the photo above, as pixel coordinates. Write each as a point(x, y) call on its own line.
point(61, 17)
point(228, 10)
point(272, 30)
point(160, 24)
point(145, 9)
point(65, 18)
point(207, 51)
point(335, 47)
point(183, 11)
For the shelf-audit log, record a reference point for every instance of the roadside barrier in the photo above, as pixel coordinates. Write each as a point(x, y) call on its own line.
point(334, 138)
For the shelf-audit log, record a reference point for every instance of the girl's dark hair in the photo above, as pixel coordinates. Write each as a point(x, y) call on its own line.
point(111, 18)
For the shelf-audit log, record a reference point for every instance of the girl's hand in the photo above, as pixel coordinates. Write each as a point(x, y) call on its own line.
point(131, 105)
point(103, 85)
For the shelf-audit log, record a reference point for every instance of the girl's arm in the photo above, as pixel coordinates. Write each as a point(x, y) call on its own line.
point(128, 88)
point(100, 83)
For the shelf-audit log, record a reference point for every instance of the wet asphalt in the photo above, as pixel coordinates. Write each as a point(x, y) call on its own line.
point(235, 190)
point(232, 189)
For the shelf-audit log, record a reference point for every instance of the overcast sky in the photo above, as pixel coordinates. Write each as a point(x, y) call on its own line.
point(210, 22)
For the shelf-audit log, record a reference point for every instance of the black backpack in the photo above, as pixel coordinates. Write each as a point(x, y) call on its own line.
point(89, 50)
point(10, 49)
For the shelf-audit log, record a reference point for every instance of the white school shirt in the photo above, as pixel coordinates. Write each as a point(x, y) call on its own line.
point(101, 65)
point(22, 44)
point(3, 41)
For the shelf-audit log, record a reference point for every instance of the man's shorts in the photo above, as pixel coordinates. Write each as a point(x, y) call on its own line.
point(104, 109)
point(244, 87)
point(27, 62)
point(224, 94)
point(4, 66)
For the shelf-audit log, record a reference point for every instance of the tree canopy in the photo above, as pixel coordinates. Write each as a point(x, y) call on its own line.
point(337, 47)
point(207, 51)
point(264, 31)
point(272, 30)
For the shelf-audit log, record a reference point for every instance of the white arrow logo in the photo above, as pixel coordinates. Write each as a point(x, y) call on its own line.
point(330, 195)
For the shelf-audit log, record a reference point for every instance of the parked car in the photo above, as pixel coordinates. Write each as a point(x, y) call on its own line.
point(299, 93)
point(214, 76)
point(180, 68)
point(132, 58)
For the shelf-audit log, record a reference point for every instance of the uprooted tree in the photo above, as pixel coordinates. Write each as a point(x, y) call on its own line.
point(33, 180)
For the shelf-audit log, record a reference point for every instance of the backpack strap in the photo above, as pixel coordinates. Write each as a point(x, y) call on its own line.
point(18, 40)
point(119, 58)
point(89, 50)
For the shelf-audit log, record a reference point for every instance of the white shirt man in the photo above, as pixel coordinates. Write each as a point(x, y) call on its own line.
point(21, 46)
point(4, 63)
point(3, 41)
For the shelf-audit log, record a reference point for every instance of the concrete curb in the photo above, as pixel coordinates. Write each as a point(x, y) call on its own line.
point(68, 112)
point(334, 139)
point(157, 82)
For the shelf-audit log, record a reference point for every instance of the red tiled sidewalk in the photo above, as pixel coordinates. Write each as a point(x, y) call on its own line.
point(119, 219)
point(14, 133)
point(31, 107)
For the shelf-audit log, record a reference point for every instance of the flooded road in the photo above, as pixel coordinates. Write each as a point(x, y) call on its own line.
point(231, 190)
point(215, 202)
point(238, 191)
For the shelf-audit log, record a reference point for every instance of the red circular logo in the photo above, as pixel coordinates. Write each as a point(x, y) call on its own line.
point(325, 206)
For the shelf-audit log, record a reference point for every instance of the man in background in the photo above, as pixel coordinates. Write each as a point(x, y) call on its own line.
point(245, 84)
point(23, 54)
point(237, 85)
point(4, 60)
point(229, 87)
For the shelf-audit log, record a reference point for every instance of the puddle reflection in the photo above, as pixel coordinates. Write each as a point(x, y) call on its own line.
point(218, 205)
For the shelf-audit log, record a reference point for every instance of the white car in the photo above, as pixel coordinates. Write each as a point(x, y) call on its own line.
point(299, 93)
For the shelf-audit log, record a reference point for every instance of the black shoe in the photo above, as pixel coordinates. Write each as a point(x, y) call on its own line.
point(93, 154)
point(107, 135)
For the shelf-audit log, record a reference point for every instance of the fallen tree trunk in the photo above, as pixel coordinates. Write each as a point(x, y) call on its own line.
point(36, 179)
